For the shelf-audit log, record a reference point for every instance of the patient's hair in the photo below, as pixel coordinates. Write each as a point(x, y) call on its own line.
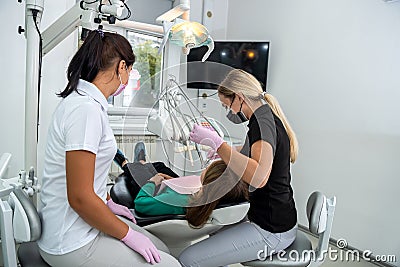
point(217, 179)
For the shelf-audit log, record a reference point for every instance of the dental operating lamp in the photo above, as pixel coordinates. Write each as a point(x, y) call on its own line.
point(182, 32)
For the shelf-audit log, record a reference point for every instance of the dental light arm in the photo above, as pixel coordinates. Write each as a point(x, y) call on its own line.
point(87, 14)
point(177, 11)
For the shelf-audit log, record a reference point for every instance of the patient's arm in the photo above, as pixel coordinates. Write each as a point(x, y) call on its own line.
point(148, 204)
point(165, 176)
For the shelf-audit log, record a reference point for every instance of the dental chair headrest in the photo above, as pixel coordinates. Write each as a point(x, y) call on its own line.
point(123, 190)
point(143, 219)
point(26, 221)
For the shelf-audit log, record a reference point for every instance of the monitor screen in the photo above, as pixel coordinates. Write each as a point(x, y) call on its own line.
point(249, 56)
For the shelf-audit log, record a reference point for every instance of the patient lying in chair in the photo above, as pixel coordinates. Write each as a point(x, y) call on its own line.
point(196, 196)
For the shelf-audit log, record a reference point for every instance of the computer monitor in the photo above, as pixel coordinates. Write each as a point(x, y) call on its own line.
point(251, 56)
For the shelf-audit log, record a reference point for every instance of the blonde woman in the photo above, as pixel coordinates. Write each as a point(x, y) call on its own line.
point(264, 163)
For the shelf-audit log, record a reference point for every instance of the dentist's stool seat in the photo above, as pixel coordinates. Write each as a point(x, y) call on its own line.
point(29, 256)
point(320, 211)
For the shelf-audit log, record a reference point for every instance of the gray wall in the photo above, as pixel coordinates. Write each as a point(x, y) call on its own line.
point(148, 10)
point(334, 66)
point(12, 71)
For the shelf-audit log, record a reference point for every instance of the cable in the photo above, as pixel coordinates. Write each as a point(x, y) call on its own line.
point(129, 12)
point(34, 14)
point(91, 2)
point(203, 162)
point(188, 100)
point(212, 94)
point(172, 106)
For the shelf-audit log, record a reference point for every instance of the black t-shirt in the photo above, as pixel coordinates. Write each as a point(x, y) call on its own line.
point(272, 207)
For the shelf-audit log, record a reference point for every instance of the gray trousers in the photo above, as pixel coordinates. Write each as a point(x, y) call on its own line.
point(105, 251)
point(243, 242)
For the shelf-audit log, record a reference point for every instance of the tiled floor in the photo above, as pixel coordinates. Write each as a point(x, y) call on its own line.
point(331, 263)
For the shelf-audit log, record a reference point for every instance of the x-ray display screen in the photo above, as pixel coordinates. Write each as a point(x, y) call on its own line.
point(249, 56)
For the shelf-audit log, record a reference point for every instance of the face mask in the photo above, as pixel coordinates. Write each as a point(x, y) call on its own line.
point(235, 118)
point(238, 117)
point(121, 86)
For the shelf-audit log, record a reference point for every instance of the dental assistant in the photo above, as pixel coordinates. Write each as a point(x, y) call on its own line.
point(264, 163)
point(79, 222)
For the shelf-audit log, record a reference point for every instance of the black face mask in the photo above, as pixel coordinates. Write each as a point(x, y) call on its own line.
point(238, 117)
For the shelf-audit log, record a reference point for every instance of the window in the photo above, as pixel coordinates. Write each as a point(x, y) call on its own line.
point(144, 83)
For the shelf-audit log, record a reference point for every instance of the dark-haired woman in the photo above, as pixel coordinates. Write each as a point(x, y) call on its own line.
point(80, 226)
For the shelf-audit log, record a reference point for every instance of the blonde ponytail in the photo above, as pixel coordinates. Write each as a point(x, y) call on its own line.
point(240, 82)
point(276, 109)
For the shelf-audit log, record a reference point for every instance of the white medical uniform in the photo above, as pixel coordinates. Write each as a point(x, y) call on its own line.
point(80, 122)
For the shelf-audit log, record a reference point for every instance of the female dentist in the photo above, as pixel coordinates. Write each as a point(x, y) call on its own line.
point(263, 163)
point(79, 222)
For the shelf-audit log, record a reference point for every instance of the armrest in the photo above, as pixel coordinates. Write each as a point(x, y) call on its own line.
point(143, 220)
point(224, 214)
point(229, 213)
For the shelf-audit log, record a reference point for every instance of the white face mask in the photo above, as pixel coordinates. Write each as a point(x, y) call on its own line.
point(121, 86)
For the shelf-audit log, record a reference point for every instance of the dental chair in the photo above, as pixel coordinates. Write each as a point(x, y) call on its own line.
point(176, 233)
point(174, 230)
point(122, 191)
point(320, 211)
point(20, 223)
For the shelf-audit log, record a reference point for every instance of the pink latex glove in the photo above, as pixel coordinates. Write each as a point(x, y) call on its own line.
point(142, 245)
point(120, 210)
point(205, 136)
